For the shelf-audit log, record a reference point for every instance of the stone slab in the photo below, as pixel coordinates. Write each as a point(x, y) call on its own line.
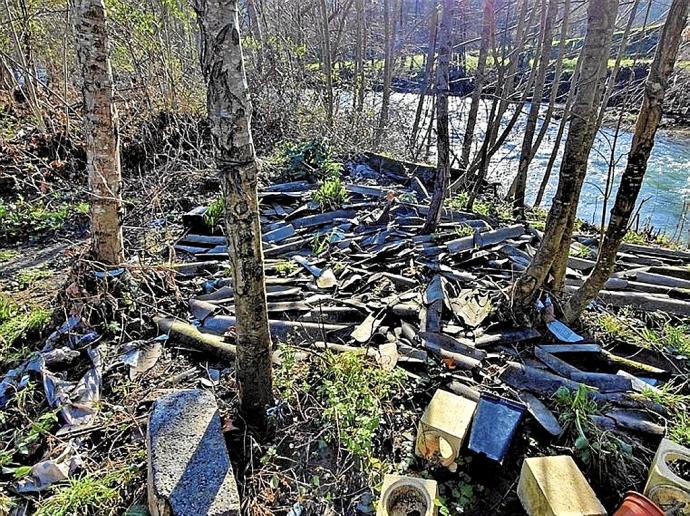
point(189, 470)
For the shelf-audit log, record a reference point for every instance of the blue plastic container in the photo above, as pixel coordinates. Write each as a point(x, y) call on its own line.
point(493, 428)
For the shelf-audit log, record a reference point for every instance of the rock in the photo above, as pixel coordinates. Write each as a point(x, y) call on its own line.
point(189, 470)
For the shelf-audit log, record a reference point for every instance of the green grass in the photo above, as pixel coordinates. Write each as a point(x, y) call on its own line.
point(28, 277)
point(215, 213)
point(679, 429)
point(352, 390)
point(331, 193)
point(459, 202)
point(285, 267)
point(89, 494)
point(7, 255)
point(15, 323)
point(666, 337)
point(20, 217)
point(312, 160)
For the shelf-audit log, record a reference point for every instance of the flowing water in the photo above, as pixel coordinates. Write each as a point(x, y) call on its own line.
point(666, 187)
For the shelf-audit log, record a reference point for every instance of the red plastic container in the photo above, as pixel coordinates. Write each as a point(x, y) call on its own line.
point(635, 504)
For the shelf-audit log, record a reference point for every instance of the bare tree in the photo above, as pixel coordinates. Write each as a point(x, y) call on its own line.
point(526, 153)
point(229, 110)
point(326, 65)
point(601, 16)
point(389, 46)
point(428, 70)
point(442, 136)
point(488, 27)
point(640, 149)
point(100, 130)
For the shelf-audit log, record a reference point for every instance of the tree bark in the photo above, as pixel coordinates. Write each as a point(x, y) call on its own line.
point(600, 23)
point(640, 149)
point(488, 24)
point(101, 131)
point(428, 70)
point(531, 125)
point(559, 135)
point(229, 110)
point(389, 44)
point(327, 67)
point(442, 135)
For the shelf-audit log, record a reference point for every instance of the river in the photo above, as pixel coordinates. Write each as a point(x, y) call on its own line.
point(665, 190)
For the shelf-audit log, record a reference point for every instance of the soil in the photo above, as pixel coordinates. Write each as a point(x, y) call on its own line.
point(681, 467)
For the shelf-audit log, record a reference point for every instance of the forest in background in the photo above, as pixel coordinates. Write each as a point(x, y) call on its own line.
point(141, 142)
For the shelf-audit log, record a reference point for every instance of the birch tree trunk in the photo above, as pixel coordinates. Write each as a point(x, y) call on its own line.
point(442, 175)
point(428, 70)
point(326, 65)
point(101, 131)
point(389, 43)
point(229, 110)
point(640, 149)
point(479, 79)
point(531, 125)
point(601, 15)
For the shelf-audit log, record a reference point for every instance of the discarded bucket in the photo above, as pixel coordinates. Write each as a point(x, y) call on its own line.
point(494, 426)
point(635, 504)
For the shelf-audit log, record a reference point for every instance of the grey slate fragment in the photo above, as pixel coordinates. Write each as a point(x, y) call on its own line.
point(189, 470)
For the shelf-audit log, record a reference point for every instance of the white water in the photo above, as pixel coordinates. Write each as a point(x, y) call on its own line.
point(664, 192)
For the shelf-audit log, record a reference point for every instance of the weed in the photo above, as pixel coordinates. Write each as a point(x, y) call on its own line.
point(679, 423)
point(93, 494)
point(290, 378)
point(28, 277)
point(215, 213)
point(679, 429)
point(16, 322)
point(320, 244)
point(22, 217)
point(353, 392)
point(583, 252)
point(459, 202)
point(7, 255)
point(633, 237)
point(609, 455)
point(285, 267)
point(331, 193)
point(36, 430)
point(6, 503)
point(460, 494)
point(311, 160)
point(464, 230)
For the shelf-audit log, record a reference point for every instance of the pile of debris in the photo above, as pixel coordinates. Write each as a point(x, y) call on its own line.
point(362, 277)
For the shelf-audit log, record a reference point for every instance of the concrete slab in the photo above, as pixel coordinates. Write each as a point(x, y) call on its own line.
point(189, 470)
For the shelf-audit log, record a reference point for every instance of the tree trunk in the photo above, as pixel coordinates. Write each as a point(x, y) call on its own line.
point(600, 23)
point(537, 95)
point(479, 79)
point(442, 136)
point(509, 83)
point(559, 135)
point(640, 149)
point(429, 68)
point(389, 43)
point(101, 131)
point(326, 65)
point(229, 110)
